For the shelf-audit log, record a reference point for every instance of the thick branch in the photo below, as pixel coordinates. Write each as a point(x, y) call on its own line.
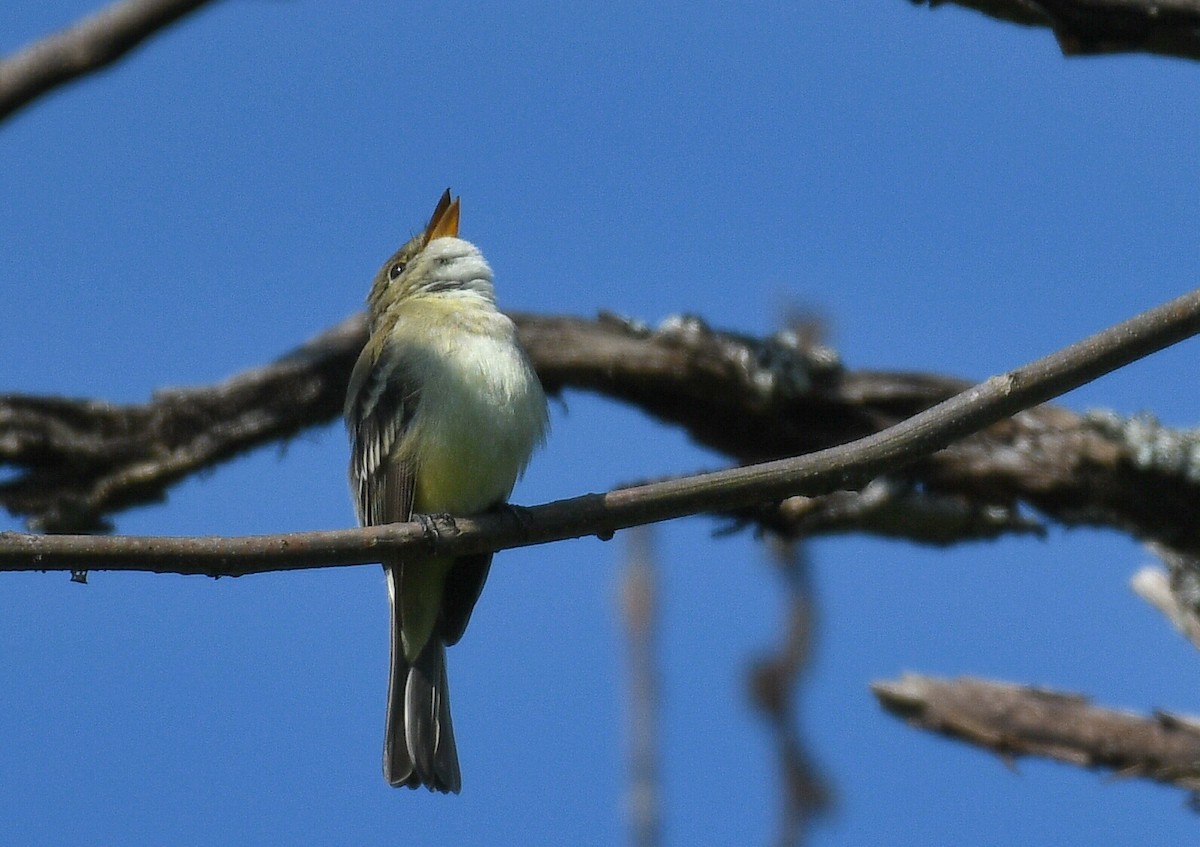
point(1016, 720)
point(78, 461)
point(845, 466)
point(88, 46)
point(1091, 27)
point(895, 507)
point(84, 459)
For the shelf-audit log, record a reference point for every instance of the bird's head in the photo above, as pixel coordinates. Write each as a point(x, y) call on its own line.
point(435, 262)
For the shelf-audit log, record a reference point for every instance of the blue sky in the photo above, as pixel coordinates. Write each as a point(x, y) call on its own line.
point(948, 191)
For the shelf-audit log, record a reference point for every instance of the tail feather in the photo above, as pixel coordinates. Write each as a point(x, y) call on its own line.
point(430, 734)
point(419, 744)
point(398, 767)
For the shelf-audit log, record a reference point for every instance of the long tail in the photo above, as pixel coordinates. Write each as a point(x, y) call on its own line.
point(419, 737)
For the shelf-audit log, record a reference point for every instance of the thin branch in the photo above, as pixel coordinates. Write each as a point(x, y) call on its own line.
point(77, 461)
point(1092, 27)
point(1016, 720)
point(846, 466)
point(85, 47)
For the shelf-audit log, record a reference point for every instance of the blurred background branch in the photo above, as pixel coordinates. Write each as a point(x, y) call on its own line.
point(1097, 27)
point(84, 48)
point(1174, 591)
point(77, 462)
point(775, 683)
point(1082, 27)
point(1018, 720)
point(639, 598)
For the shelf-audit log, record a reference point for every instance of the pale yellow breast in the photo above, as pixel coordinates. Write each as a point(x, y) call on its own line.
point(480, 414)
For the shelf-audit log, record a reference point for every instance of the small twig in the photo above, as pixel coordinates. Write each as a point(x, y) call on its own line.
point(85, 47)
point(845, 466)
point(1016, 720)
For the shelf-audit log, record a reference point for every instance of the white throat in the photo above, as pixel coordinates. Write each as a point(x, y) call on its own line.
point(454, 266)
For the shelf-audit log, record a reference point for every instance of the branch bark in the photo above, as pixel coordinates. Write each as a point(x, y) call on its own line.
point(836, 468)
point(89, 45)
point(76, 462)
point(1092, 27)
point(81, 460)
point(1017, 720)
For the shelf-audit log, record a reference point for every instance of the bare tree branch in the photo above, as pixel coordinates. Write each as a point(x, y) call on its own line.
point(86, 47)
point(837, 468)
point(84, 459)
point(895, 507)
point(75, 462)
point(1091, 27)
point(1016, 720)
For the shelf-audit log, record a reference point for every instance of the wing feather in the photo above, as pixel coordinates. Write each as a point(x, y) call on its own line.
point(380, 406)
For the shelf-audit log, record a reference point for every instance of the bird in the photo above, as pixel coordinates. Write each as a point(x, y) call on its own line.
point(443, 411)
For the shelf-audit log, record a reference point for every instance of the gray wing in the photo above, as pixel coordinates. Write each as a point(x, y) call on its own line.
point(380, 405)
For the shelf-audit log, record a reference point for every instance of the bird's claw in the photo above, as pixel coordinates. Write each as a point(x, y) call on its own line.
point(433, 526)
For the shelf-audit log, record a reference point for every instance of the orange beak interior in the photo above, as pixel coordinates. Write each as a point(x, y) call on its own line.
point(445, 219)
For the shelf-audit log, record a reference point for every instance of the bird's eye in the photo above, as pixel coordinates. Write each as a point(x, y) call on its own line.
point(395, 270)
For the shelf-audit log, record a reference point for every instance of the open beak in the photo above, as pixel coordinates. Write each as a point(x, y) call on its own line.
point(445, 219)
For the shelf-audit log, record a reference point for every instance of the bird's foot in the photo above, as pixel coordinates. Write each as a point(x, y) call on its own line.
point(434, 526)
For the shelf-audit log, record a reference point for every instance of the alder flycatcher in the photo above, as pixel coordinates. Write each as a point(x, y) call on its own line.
point(444, 411)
